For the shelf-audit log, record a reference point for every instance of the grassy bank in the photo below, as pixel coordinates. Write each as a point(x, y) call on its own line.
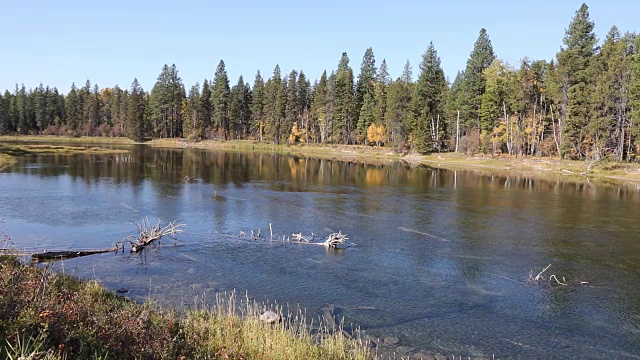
point(66, 139)
point(45, 315)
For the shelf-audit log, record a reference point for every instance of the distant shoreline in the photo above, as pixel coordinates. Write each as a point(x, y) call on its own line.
point(539, 167)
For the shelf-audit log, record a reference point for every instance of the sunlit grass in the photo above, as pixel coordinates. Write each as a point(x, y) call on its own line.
point(67, 139)
point(52, 316)
point(31, 149)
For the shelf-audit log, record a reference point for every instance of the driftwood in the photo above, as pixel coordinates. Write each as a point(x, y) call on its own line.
point(63, 255)
point(331, 242)
point(148, 234)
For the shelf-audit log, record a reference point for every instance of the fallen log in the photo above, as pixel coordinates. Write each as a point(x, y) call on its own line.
point(63, 255)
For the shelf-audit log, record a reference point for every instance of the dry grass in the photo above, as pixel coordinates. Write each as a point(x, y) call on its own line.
point(46, 315)
point(67, 139)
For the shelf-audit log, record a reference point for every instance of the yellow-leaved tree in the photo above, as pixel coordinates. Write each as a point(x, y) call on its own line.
point(297, 135)
point(375, 134)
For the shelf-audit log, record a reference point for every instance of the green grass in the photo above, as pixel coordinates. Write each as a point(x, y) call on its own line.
point(32, 149)
point(46, 315)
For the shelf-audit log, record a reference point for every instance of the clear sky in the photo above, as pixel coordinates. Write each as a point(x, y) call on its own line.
point(111, 42)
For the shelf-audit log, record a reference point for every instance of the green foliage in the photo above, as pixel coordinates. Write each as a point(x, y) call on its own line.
point(427, 107)
point(220, 99)
point(473, 85)
point(365, 87)
point(240, 115)
point(165, 103)
point(575, 67)
point(136, 112)
point(343, 103)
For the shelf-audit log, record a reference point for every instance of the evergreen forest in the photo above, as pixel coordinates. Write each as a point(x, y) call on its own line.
point(582, 104)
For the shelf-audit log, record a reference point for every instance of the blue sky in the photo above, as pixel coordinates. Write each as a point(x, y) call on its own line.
point(111, 42)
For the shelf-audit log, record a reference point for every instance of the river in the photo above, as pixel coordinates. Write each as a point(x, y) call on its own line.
point(440, 258)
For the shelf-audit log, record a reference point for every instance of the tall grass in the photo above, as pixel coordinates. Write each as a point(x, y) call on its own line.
point(46, 315)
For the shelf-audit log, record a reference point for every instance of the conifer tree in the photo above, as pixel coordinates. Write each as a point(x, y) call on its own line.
point(292, 106)
point(206, 109)
point(4, 112)
point(574, 66)
point(344, 102)
point(136, 111)
point(257, 113)
point(634, 98)
point(192, 113)
point(220, 98)
point(320, 122)
point(364, 86)
point(274, 106)
point(166, 101)
point(474, 81)
point(428, 121)
point(240, 109)
point(609, 122)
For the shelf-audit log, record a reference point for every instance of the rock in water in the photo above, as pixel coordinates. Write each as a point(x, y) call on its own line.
point(270, 317)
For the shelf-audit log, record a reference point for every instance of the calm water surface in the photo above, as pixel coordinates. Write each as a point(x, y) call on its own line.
point(440, 259)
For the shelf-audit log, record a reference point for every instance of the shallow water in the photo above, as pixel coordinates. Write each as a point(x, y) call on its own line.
point(440, 257)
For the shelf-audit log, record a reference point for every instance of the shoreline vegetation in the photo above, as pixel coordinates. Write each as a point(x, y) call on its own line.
point(47, 315)
point(583, 104)
point(537, 167)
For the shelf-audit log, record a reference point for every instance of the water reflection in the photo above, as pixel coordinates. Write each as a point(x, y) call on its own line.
point(439, 260)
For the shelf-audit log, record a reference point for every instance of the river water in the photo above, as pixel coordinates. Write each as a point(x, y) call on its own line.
point(440, 258)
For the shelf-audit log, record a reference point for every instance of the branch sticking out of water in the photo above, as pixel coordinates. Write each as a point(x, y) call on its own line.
point(148, 234)
point(552, 280)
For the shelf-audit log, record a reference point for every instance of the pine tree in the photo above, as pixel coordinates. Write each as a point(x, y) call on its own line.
point(365, 86)
point(240, 109)
point(474, 81)
point(206, 110)
point(344, 102)
point(428, 120)
point(73, 110)
point(192, 113)
point(166, 101)
point(257, 113)
point(634, 97)
point(5, 102)
point(220, 98)
point(274, 106)
point(136, 112)
point(292, 107)
point(574, 66)
point(320, 123)
point(397, 116)
point(366, 117)
point(609, 123)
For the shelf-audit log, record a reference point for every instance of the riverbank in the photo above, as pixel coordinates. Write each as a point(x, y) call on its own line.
point(8, 151)
point(544, 167)
point(531, 166)
point(46, 315)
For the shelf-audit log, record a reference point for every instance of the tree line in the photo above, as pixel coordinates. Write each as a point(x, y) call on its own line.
point(584, 103)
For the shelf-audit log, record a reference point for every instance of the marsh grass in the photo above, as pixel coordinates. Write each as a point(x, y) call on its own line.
point(46, 315)
point(32, 149)
point(67, 139)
